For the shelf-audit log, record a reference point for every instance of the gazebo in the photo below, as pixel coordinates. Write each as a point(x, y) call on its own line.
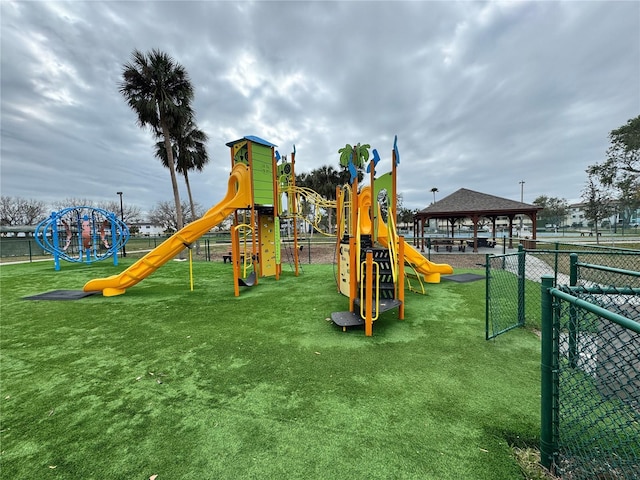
point(466, 203)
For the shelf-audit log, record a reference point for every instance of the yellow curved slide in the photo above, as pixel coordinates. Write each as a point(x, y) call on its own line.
point(238, 196)
point(429, 270)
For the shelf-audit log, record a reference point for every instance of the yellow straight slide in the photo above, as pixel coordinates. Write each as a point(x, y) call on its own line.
point(238, 196)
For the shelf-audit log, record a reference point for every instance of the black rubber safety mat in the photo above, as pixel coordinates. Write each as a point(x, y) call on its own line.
point(463, 277)
point(61, 295)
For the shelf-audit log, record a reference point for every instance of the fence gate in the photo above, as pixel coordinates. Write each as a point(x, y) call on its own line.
point(504, 299)
point(513, 280)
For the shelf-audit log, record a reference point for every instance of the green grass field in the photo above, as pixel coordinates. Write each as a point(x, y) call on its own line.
point(203, 385)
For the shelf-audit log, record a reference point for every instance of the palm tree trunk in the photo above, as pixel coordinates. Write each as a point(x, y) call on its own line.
point(191, 205)
point(174, 180)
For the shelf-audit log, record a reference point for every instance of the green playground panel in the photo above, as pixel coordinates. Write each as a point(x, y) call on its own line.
point(262, 174)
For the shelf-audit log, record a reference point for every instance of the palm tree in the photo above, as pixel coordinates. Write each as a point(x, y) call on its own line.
point(159, 91)
point(354, 157)
point(188, 147)
point(434, 190)
point(324, 181)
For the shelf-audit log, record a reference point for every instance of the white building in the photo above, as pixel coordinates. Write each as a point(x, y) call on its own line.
point(146, 229)
point(577, 217)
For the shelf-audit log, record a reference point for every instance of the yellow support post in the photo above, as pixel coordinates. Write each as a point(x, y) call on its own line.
point(400, 282)
point(339, 232)
point(353, 276)
point(368, 321)
point(292, 201)
point(191, 268)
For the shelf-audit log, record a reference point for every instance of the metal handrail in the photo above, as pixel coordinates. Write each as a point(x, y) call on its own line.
point(377, 290)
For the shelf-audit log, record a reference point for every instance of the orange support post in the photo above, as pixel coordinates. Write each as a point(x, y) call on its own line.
point(235, 259)
point(339, 200)
point(354, 207)
point(292, 201)
point(274, 175)
point(394, 178)
point(254, 234)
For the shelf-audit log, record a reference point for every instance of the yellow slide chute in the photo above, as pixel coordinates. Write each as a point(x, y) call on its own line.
point(429, 270)
point(238, 196)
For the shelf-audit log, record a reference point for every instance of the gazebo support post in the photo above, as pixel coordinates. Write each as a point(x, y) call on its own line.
point(511, 217)
point(475, 219)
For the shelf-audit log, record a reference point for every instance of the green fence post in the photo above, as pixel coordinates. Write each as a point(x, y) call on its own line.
point(309, 249)
point(487, 297)
point(521, 283)
point(573, 312)
point(30, 255)
point(429, 248)
point(555, 263)
point(547, 446)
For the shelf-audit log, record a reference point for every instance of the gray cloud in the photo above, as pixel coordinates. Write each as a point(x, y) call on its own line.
point(481, 95)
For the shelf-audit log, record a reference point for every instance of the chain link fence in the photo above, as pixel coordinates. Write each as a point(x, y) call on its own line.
point(504, 284)
point(17, 249)
point(591, 374)
point(590, 329)
point(20, 249)
point(513, 280)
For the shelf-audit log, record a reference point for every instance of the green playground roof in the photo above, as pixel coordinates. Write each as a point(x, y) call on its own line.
point(252, 138)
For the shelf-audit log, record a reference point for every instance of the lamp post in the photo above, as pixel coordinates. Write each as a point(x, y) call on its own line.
point(124, 252)
point(521, 182)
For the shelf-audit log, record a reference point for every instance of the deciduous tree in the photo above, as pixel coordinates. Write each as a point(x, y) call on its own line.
point(554, 210)
point(597, 203)
point(621, 169)
point(21, 211)
point(165, 215)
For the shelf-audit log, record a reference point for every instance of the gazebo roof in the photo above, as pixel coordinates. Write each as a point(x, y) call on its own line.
point(469, 203)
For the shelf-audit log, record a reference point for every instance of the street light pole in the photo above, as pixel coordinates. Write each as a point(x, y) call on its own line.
point(521, 201)
point(124, 252)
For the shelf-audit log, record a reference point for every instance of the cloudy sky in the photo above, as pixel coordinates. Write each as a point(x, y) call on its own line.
point(481, 95)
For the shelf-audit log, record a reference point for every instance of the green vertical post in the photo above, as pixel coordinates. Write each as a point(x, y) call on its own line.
point(30, 254)
point(547, 383)
point(555, 263)
point(573, 313)
point(573, 269)
point(487, 311)
point(521, 283)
